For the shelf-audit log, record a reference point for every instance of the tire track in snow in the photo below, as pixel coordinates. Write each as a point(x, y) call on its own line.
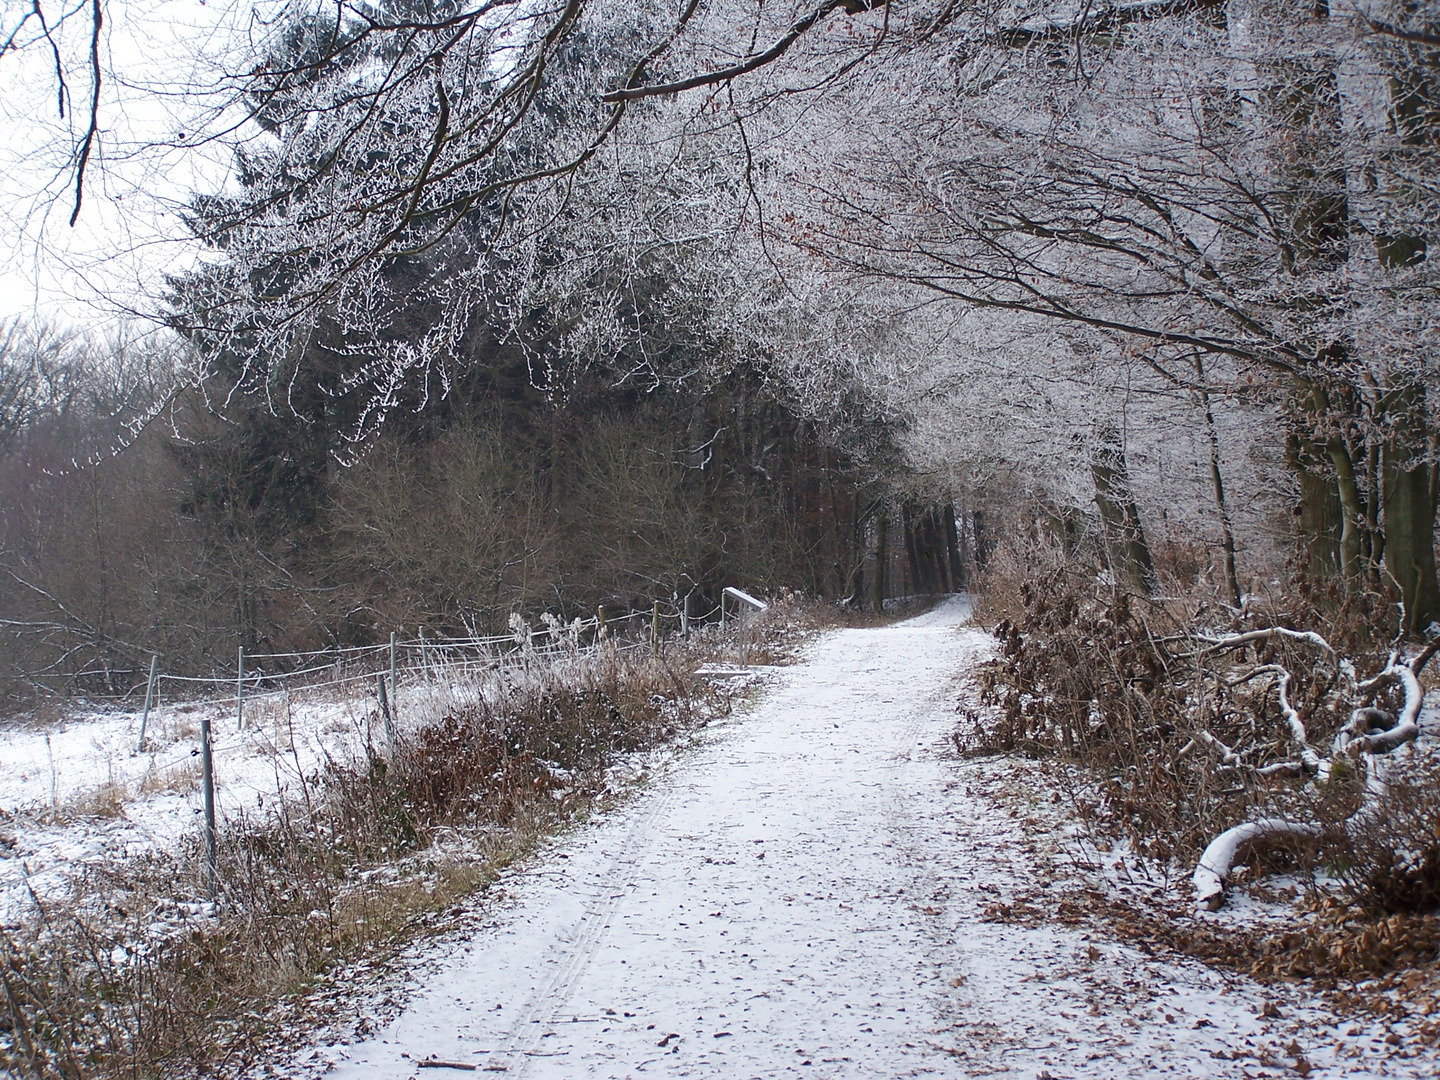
point(548, 1005)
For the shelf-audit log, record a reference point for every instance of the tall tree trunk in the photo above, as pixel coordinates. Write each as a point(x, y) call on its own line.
point(1125, 543)
point(936, 565)
point(1374, 538)
point(1318, 514)
point(911, 526)
point(952, 545)
point(1409, 514)
point(1352, 510)
point(1352, 504)
point(856, 590)
point(1063, 528)
point(1217, 489)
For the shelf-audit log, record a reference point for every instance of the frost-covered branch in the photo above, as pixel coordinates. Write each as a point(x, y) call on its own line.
point(1230, 759)
point(1308, 754)
point(1235, 641)
point(1371, 734)
point(1367, 733)
point(749, 63)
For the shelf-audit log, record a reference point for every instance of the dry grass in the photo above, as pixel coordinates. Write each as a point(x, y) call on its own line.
point(1394, 864)
point(105, 802)
point(772, 636)
point(137, 973)
point(179, 779)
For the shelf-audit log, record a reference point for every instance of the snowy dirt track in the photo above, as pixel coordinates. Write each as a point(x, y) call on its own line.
point(803, 895)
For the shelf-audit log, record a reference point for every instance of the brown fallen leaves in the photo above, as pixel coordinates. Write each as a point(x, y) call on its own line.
point(1380, 966)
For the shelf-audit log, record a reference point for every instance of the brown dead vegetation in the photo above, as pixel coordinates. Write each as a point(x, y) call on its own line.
point(1171, 741)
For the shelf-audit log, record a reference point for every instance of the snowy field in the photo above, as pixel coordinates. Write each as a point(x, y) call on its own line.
point(82, 791)
point(807, 893)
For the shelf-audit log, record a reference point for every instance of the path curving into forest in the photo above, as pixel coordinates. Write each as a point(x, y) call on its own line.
point(804, 895)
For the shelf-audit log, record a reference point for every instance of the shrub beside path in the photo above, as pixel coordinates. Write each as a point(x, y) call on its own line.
point(806, 894)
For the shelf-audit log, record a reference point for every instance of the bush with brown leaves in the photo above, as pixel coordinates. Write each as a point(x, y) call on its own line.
point(1177, 734)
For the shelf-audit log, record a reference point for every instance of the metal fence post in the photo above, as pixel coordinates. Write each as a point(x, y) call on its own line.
point(685, 617)
point(394, 686)
point(655, 627)
point(240, 689)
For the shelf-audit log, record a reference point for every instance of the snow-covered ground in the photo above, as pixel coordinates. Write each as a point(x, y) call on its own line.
point(808, 893)
point(81, 792)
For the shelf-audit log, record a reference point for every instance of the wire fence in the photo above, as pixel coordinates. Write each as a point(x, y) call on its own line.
point(261, 675)
point(423, 658)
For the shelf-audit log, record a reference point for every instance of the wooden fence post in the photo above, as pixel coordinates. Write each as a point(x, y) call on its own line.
point(149, 690)
point(685, 618)
point(600, 622)
point(207, 787)
point(385, 712)
point(655, 627)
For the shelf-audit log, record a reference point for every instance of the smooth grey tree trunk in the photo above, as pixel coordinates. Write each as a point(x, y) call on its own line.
point(1409, 510)
point(1125, 543)
point(1217, 490)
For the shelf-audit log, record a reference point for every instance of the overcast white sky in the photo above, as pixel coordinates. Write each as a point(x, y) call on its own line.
point(161, 60)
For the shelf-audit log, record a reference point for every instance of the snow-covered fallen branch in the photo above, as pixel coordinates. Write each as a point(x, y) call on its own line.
point(1298, 735)
point(1230, 759)
point(1214, 867)
point(1366, 734)
point(1372, 734)
point(1251, 637)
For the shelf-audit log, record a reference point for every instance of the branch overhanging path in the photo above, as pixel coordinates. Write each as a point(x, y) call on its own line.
point(803, 894)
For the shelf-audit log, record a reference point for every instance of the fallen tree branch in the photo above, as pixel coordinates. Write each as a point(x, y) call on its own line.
point(1308, 754)
point(1360, 736)
point(1372, 734)
point(1214, 866)
point(1418, 664)
point(1230, 759)
point(1234, 641)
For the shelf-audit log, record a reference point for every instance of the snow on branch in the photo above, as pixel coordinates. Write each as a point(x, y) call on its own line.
point(1235, 641)
point(1214, 867)
point(1366, 732)
point(1230, 759)
point(1372, 734)
point(1308, 754)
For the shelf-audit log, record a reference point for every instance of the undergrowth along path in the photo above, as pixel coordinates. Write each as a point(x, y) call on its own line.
point(805, 894)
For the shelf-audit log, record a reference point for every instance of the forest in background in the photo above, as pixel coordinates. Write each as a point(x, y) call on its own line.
point(208, 530)
point(507, 310)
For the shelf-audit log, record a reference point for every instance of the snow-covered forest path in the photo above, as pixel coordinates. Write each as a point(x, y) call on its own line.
point(803, 895)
